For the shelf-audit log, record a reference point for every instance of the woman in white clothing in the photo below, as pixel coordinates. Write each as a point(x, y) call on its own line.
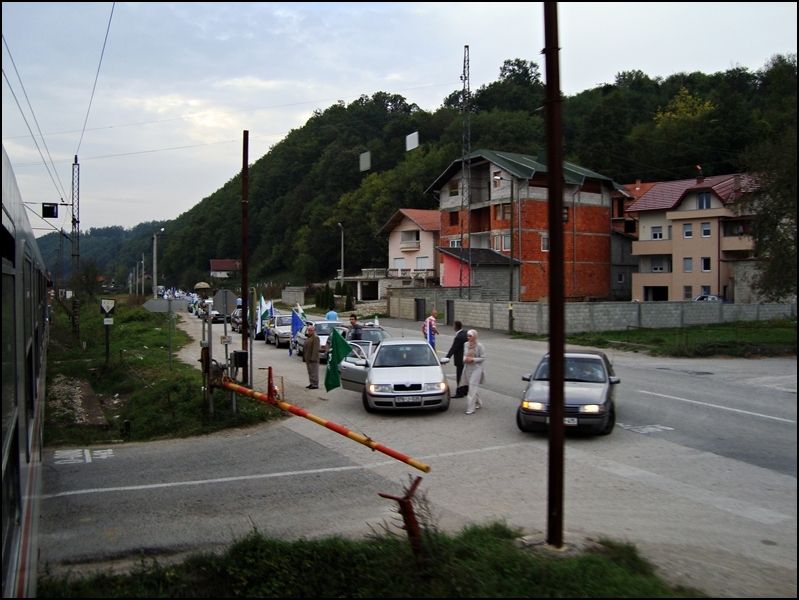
point(473, 375)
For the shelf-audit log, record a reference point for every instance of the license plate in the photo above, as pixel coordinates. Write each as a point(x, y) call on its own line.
point(407, 399)
point(570, 420)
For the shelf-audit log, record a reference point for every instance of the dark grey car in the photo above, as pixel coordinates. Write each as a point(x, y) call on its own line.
point(589, 394)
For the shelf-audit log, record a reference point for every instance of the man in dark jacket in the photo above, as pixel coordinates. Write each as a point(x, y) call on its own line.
point(456, 351)
point(310, 356)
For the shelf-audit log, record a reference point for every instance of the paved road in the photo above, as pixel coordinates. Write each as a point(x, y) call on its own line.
point(679, 477)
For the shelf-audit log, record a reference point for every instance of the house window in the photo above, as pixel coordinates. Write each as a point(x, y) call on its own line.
point(703, 200)
point(497, 182)
point(410, 236)
point(399, 263)
point(657, 232)
point(688, 230)
point(454, 217)
point(687, 292)
point(501, 242)
point(688, 265)
point(705, 290)
point(620, 278)
point(705, 229)
point(657, 264)
point(544, 243)
point(453, 188)
point(423, 263)
point(705, 264)
point(502, 212)
point(455, 243)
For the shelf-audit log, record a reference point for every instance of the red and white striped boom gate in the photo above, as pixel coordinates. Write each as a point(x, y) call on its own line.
point(270, 398)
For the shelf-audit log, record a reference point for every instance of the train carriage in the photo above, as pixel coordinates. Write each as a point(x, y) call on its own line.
point(25, 336)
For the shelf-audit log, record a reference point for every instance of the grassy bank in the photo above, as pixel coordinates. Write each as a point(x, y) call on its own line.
point(742, 339)
point(480, 562)
point(138, 393)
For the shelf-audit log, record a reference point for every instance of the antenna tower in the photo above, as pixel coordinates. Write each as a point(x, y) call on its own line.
point(466, 171)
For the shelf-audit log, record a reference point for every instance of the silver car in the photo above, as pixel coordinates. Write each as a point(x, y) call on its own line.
point(400, 374)
point(588, 394)
point(323, 329)
point(278, 331)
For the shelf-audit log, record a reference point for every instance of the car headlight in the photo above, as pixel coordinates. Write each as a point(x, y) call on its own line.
point(381, 388)
point(438, 386)
point(593, 409)
point(539, 406)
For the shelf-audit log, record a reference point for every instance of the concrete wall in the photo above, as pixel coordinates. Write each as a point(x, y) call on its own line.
point(293, 295)
point(533, 317)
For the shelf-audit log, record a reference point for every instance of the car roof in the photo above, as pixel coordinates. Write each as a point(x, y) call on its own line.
point(583, 354)
point(402, 341)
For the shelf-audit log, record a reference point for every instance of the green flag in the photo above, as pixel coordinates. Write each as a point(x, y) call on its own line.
point(339, 348)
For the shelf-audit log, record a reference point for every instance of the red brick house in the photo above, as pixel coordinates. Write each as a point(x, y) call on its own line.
point(503, 208)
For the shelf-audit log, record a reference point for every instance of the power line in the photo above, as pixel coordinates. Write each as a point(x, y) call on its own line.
point(96, 77)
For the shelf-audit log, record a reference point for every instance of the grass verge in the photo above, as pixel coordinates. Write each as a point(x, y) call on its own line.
point(482, 562)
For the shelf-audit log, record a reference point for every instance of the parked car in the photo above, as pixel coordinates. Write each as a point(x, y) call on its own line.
point(323, 330)
point(589, 394)
point(707, 298)
point(278, 330)
point(370, 332)
point(401, 374)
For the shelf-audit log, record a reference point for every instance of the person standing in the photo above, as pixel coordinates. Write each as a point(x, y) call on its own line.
point(456, 352)
point(356, 330)
point(331, 315)
point(429, 328)
point(473, 374)
point(310, 356)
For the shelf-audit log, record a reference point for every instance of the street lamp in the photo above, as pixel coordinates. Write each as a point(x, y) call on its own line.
point(155, 262)
point(341, 275)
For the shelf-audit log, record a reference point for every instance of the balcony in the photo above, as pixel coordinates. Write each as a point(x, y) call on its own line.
point(411, 273)
point(648, 247)
point(733, 243)
point(409, 245)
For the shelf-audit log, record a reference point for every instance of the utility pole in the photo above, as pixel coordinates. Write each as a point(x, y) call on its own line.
point(245, 191)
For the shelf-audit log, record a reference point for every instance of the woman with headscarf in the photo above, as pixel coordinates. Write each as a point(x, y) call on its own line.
point(473, 375)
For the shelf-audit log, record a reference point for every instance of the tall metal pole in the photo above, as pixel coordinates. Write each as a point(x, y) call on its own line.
point(510, 262)
point(155, 263)
point(554, 132)
point(245, 191)
point(342, 256)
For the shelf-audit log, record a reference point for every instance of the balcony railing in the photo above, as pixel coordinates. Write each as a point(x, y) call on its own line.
point(412, 273)
point(409, 245)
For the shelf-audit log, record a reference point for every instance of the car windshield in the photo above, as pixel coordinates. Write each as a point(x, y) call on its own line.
point(585, 369)
point(323, 328)
point(372, 335)
point(411, 355)
point(283, 321)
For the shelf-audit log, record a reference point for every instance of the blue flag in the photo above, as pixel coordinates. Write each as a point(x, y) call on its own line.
point(296, 324)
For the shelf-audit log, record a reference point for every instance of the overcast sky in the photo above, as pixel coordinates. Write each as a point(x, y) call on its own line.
point(179, 83)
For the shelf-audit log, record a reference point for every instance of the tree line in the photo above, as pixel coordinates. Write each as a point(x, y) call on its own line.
point(638, 127)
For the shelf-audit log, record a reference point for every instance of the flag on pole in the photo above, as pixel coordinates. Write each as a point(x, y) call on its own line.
point(339, 349)
point(296, 324)
point(301, 312)
point(261, 310)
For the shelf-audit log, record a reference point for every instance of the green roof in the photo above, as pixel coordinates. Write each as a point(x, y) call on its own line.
point(521, 166)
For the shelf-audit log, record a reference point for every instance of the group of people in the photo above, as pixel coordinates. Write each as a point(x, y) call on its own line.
point(310, 351)
point(467, 353)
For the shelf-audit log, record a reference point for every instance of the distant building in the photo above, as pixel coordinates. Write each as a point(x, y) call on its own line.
point(692, 239)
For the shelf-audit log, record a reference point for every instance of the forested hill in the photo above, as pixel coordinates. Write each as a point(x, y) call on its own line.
point(636, 128)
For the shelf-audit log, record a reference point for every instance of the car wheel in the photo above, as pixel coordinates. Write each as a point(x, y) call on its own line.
point(366, 406)
point(611, 422)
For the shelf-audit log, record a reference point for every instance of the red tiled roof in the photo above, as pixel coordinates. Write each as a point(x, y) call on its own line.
point(427, 220)
point(666, 195)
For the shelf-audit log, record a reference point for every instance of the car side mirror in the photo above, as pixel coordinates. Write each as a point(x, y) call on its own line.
point(526, 377)
point(444, 360)
point(614, 379)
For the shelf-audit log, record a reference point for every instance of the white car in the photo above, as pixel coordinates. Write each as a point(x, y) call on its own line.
point(400, 374)
point(278, 331)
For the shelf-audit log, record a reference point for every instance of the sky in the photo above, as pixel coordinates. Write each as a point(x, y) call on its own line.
point(155, 104)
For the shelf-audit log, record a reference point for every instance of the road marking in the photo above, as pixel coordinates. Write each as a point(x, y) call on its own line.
point(645, 428)
point(737, 410)
point(78, 456)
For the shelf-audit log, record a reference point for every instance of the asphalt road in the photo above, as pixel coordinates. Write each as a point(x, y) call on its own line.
point(700, 473)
